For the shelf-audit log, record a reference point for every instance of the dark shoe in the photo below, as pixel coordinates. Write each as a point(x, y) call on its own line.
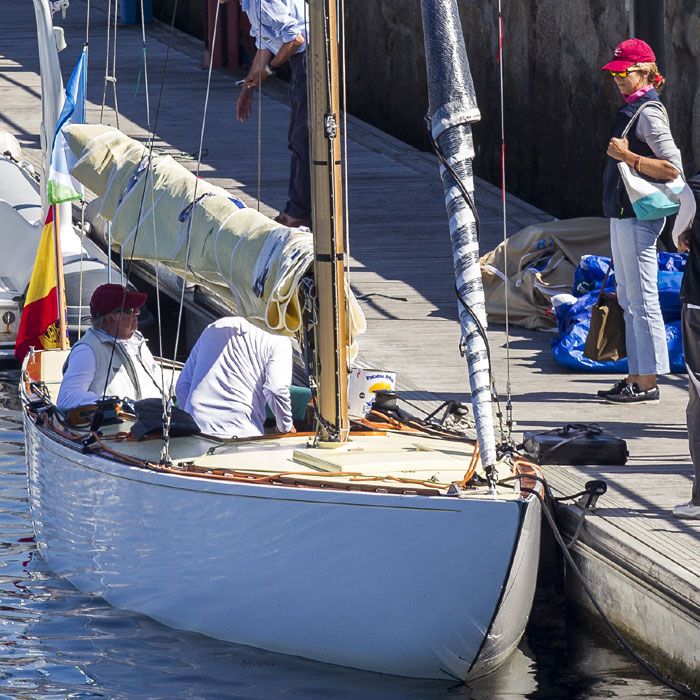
point(633, 394)
point(291, 221)
point(614, 390)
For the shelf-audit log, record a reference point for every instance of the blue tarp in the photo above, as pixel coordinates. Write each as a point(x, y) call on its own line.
point(574, 319)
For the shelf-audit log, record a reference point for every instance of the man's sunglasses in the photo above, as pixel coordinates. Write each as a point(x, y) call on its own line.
point(622, 73)
point(131, 310)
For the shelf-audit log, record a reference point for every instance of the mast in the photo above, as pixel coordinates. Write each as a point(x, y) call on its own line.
point(452, 111)
point(331, 332)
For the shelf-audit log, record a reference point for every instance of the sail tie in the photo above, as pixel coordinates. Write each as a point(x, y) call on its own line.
point(131, 183)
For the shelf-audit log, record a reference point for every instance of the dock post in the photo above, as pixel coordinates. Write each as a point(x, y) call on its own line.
point(226, 54)
point(130, 12)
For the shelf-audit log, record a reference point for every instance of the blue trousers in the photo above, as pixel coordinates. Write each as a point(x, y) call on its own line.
point(633, 244)
point(299, 202)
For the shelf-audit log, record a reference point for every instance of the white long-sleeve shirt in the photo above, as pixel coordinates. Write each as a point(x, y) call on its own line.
point(233, 369)
point(81, 371)
point(275, 22)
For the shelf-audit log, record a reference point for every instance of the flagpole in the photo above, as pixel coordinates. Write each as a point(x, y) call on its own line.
point(60, 282)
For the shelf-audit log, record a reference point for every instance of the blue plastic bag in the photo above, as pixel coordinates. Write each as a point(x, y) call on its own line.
point(573, 320)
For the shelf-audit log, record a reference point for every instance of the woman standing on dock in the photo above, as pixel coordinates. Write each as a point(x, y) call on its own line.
point(650, 150)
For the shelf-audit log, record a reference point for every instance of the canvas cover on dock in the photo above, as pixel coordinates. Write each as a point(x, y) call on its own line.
point(537, 263)
point(163, 213)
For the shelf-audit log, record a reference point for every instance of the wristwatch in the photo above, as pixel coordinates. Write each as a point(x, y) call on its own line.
point(270, 71)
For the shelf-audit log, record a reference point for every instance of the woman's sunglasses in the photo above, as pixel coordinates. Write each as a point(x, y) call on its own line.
point(622, 73)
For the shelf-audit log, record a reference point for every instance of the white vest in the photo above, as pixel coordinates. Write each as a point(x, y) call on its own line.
point(126, 375)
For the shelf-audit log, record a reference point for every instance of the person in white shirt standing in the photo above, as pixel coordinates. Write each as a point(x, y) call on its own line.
point(232, 371)
point(112, 358)
point(280, 30)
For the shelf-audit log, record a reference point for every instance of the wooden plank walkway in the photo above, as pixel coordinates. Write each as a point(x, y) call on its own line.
point(402, 269)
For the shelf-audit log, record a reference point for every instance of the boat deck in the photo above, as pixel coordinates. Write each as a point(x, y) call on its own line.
point(643, 562)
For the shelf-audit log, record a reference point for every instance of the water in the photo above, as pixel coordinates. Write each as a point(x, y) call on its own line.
point(56, 642)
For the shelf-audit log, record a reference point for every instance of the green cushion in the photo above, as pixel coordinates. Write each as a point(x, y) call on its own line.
point(301, 395)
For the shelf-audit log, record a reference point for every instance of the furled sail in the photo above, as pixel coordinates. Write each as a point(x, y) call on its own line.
point(162, 212)
point(453, 109)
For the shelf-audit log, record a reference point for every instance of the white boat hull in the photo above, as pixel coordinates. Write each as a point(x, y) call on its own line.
point(396, 584)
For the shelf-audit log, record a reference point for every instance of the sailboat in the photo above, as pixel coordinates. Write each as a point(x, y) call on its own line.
point(382, 543)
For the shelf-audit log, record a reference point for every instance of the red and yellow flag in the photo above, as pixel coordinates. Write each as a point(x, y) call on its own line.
point(38, 325)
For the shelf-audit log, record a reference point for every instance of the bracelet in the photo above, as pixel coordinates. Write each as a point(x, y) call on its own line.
point(270, 71)
point(636, 164)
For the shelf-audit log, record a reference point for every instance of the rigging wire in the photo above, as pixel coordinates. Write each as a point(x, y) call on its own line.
point(259, 125)
point(80, 276)
point(165, 457)
point(127, 273)
point(344, 108)
point(82, 200)
point(499, 60)
point(145, 74)
point(110, 77)
point(153, 220)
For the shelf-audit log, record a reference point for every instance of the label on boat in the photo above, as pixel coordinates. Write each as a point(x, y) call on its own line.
point(362, 383)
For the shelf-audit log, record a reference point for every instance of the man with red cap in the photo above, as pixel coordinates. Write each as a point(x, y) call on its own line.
point(112, 358)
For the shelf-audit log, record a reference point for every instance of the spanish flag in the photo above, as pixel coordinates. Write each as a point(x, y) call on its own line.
point(38, 325)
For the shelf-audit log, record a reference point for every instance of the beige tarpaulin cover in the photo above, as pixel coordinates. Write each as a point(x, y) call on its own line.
point(251, 261)
point(541, 260)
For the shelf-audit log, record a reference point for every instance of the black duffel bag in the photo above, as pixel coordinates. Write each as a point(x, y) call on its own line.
point(575, 443)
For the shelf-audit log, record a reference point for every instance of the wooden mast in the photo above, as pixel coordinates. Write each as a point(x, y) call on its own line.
point(331, 332)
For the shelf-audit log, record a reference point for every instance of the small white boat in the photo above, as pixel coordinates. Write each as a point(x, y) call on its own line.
point(22, 211)
point(21, 223)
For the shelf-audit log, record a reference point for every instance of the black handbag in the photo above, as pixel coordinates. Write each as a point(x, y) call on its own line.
point(606, 335)
point(575, 443)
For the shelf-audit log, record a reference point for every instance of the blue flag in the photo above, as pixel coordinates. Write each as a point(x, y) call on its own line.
point(62, 187)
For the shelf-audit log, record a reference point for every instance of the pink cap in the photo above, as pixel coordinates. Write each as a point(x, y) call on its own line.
point(630, 52)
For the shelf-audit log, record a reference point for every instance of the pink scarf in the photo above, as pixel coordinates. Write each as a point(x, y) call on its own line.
point(636, 95)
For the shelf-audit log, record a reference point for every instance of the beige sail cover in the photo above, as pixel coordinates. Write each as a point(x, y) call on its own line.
point(249, 260)
point(540, 262)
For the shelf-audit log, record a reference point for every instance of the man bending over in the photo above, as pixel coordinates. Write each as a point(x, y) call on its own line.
point(233, 369)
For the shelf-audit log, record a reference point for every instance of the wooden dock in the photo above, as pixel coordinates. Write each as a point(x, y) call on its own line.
point(643, 563)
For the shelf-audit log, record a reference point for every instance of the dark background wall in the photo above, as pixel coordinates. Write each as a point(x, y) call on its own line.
point(558, 106)
point(189, 15)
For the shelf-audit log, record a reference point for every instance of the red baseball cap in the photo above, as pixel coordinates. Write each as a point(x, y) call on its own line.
point(630, 52)
point(112, 297)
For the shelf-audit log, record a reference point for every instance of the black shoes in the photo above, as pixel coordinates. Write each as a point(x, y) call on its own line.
point(631, 393)
point(615, 389)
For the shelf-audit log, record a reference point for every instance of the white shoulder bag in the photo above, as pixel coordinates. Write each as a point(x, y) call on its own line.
point(650, 198)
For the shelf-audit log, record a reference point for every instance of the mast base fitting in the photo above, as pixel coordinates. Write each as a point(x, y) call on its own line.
point(328, 445)
point(492, 477)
